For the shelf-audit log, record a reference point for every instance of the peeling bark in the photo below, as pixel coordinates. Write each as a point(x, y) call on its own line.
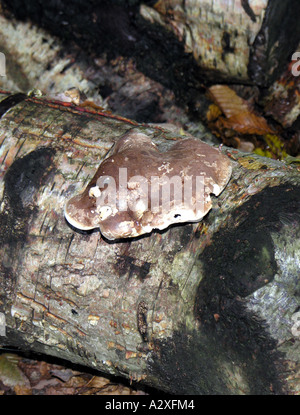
point(205, 308)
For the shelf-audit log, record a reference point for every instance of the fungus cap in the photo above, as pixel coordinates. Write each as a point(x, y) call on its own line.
point(138, 189)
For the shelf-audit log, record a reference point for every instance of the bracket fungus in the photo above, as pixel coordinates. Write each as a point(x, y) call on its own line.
point(138, 188)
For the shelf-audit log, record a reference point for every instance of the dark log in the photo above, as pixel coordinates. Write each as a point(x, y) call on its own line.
point(205, 308)
point(176, 42)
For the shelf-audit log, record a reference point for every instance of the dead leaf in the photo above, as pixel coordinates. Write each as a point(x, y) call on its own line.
point(238, 114)
point(98, 382)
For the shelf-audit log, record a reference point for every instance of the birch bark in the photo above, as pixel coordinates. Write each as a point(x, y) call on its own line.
point(207, 308)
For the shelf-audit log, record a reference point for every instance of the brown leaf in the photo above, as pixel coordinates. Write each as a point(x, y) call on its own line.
point(238, 115)
point(98, 382)
point(22, 390)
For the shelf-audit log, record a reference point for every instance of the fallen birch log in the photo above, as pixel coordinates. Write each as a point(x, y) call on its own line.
point(202, 308)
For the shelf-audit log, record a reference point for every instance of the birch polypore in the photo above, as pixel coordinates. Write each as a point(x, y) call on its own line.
point(138, 189)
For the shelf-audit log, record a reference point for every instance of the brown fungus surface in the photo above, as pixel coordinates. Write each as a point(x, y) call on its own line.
point(138, 189)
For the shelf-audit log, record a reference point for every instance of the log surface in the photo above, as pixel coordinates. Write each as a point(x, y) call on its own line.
point(207, 308)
